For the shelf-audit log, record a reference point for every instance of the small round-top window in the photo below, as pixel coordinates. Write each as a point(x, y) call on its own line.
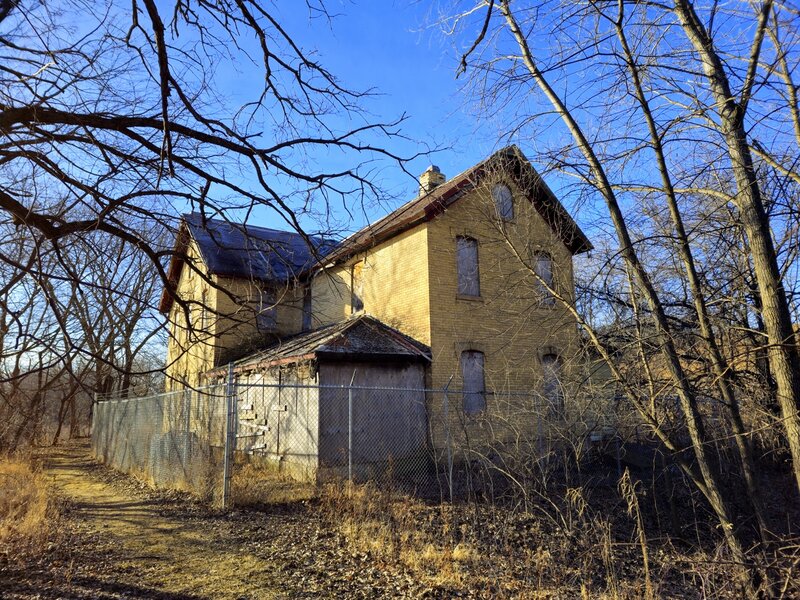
point(503, 201)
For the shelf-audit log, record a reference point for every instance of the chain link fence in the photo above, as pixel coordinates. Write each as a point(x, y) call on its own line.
point(175, 440)
point(421, 441)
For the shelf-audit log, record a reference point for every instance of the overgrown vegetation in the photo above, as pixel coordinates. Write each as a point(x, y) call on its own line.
point(593, 541)
point(28, 510)
point(255, 485)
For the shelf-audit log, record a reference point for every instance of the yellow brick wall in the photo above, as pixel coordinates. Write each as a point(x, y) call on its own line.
point(330, 296)
point(507, 323)
point(394, 286)
point(227, 324)
point(239, 301)
point(190, 351)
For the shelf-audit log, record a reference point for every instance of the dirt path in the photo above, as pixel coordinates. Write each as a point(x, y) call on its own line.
point(161, 553)
point(122, 540)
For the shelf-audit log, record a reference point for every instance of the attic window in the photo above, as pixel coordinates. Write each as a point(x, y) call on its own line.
point(503, 201)
point(467, 266)
point(472, 374)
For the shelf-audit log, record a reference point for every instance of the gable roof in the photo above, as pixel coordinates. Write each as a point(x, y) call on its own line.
point(247, 251)
point(243, 251)
point(360, 337)
point(426, 207)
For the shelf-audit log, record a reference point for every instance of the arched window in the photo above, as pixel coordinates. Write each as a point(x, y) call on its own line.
point(503, 201)
point(543, 267)
point(467, 266)
point(472, 365)
point(551, 382)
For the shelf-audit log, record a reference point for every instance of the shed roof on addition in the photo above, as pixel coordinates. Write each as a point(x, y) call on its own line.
point(359, 338)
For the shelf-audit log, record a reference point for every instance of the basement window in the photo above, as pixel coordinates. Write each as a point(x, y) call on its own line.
point(467, 267)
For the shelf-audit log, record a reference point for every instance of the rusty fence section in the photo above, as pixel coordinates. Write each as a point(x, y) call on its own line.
point(435, 443)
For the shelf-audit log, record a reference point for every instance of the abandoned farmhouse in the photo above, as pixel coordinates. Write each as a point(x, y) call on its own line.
point(456, 289)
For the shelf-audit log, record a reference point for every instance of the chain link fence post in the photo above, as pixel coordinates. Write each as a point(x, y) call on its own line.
point(187, 405)
point(446, 402)
point(230, 436)
point(350, 433)
point(350, 429)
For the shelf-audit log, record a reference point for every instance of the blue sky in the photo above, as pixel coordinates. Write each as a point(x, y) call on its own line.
point(396, 50)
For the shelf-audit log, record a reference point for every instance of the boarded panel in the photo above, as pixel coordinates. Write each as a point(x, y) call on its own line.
point(389, 426)
point(467, 265)
point(472, 372)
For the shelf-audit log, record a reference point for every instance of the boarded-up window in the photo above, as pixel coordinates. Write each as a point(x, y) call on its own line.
point(267, 312)
point(357, 287)
point(503, 201)
point(543, 267)
point(472, 365)
point(204, 321)
point(307, 307)
point(551, 384)
point(467, 266)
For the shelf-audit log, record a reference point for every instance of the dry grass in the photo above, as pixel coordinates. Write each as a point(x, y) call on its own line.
point(256, 485)
point(385, 525)
point(27, 509)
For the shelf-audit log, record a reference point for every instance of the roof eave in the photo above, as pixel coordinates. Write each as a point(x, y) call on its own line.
point(175, 268)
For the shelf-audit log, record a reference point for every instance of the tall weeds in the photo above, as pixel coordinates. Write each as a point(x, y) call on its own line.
point(27, 510)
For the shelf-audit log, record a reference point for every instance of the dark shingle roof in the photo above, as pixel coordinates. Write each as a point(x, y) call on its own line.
point(248, 251)
point(363, 337)
point(511, 161)
point(243, 251)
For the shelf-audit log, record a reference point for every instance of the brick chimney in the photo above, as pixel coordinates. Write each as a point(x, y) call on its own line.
point(430, 179)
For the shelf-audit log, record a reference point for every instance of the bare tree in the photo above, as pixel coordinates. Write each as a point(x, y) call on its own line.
point(116, 116)
point(656, 118)
point(114, 119)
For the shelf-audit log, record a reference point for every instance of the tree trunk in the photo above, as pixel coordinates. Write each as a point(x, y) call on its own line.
point(694, 423)
point(782, 352)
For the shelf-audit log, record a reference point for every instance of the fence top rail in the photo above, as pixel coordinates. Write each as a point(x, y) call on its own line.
point(119, 397)
point(220, 391)
point(452, 391)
